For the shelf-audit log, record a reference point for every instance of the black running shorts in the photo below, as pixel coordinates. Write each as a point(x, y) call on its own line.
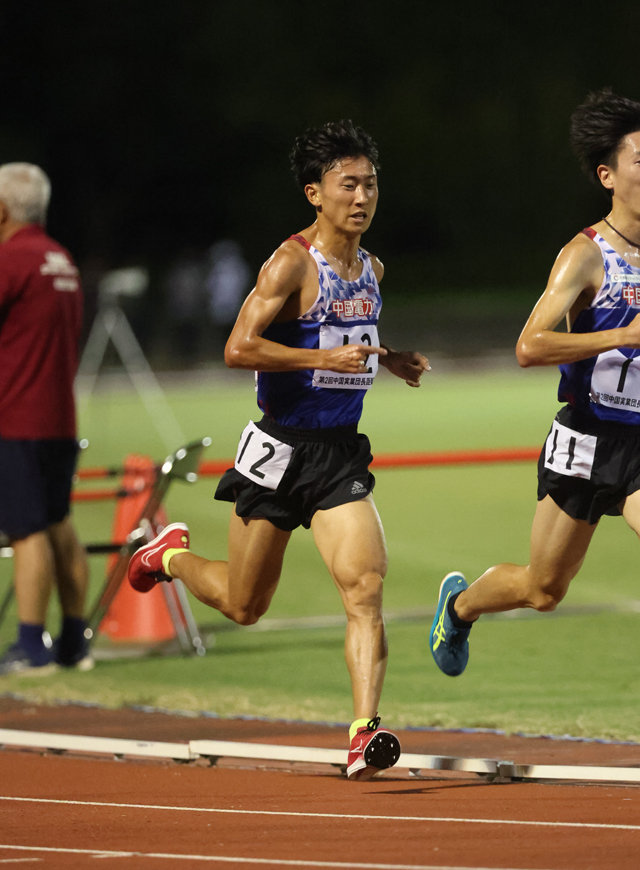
point(589, 466)
point(327, 468)
point(35, 484)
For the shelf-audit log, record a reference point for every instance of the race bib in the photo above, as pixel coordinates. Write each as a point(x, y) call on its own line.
point(569, 452)
point(262, 458)
point(335, 336)
point(615, 381)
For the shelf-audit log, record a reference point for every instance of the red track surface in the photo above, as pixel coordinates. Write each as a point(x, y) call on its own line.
point(164, 814)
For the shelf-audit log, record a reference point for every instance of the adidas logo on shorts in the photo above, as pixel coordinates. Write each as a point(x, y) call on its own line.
point(357, 488)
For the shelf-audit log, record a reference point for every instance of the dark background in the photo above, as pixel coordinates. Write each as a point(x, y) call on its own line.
point(167, 126)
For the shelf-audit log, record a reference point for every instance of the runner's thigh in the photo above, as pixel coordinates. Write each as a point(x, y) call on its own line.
point(350, 539)
point(631, 511)
point(256, 552)
point(559, 544)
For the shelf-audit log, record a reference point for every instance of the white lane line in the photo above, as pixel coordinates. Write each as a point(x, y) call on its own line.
point(13, 861)
point(300, 815)
point(277, 862)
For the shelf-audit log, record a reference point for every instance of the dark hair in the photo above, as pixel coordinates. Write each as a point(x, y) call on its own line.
point(598, 127)
point(319, 148)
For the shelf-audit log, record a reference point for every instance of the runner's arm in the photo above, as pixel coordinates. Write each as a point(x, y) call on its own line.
point(405, 364)
point(280, 278)
point(576, 272)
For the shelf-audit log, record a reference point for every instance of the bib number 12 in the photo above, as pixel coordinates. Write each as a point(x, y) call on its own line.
point(262, 458)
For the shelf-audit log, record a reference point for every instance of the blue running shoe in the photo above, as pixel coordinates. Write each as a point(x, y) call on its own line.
point(449, 645)
point(17, 660)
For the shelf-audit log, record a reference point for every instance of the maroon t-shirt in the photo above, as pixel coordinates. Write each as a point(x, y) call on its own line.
point(40, 323)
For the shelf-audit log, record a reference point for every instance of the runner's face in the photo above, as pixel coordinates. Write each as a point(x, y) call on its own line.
point(623, 180)
point(348, 194)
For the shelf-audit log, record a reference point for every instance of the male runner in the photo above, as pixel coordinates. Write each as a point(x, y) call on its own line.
point(590, 463)
point(309, 329)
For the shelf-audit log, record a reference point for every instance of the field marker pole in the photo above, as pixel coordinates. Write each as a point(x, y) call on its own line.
point(111, 323)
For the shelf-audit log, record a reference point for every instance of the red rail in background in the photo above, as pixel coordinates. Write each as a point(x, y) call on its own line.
point(215, 467)
point(457, 457)
point(405, 460)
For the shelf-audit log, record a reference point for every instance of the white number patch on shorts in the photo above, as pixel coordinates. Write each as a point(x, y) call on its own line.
point(615, 381)
point(262, 458)
point(569, 452)
point(336, 336)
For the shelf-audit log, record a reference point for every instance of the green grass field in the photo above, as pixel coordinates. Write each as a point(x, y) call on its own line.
point(571, 672)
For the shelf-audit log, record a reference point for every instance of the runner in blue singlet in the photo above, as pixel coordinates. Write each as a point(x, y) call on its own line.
point(309, 329)
point(590, 463)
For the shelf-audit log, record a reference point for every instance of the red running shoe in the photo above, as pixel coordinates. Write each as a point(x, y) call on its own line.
point(145, 566)
point(371, 750)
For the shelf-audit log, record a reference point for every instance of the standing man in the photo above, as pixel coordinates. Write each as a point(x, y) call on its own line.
point(590, 463)
point(309, 329)
point(40, 322)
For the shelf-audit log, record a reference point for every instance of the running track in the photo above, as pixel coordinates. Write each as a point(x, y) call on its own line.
point(64, 811)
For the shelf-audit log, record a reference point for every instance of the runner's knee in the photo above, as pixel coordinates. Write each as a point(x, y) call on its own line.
point(245, 615)
point(544, 601)
point(363, 593)
point(546, 595)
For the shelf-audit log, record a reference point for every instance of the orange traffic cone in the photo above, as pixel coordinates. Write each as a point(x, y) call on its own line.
point(132, 616)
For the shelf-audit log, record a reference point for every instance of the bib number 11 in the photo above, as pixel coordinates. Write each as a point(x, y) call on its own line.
point(569, 452)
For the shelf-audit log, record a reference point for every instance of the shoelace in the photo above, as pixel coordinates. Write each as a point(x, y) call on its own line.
point(372, 724)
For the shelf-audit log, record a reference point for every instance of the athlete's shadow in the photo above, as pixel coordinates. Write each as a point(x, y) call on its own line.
point(435, 785)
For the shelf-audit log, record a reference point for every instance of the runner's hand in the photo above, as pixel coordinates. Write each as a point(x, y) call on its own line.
point(351, 358)
point(408, 365)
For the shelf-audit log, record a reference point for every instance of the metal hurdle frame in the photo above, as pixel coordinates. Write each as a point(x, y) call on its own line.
point(181, 465)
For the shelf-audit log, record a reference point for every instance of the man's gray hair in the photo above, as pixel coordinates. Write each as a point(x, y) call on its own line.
point(25, 190)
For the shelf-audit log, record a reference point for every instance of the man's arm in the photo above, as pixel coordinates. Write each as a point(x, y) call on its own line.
point(576, 272)
point(406, 364)
point(282, 276)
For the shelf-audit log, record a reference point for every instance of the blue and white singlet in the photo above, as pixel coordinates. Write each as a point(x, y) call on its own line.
point(607, 386)
point(344, 312)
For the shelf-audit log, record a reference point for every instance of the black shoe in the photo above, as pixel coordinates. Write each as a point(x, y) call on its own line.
point(80, 659)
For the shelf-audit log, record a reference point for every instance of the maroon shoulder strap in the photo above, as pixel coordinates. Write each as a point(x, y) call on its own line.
point(300, 239)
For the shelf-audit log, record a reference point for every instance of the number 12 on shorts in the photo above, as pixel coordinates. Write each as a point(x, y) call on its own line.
point(262, 458)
